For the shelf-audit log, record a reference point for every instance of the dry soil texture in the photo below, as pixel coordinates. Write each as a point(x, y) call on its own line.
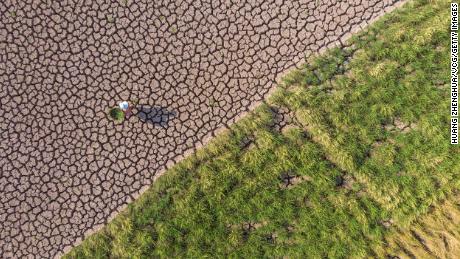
point(195, 66)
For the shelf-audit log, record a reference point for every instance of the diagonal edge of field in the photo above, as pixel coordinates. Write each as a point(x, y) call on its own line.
point(221, 144)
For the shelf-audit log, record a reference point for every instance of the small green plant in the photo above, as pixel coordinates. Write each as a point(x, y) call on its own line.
point(110, 19)
point(116, 114)
point(213, 102)
point(173, 29)
point(13, 14)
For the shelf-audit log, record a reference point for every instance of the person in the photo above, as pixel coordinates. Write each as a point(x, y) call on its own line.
point(126, 108)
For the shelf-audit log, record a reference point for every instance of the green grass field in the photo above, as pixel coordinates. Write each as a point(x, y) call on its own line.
point(367, 151)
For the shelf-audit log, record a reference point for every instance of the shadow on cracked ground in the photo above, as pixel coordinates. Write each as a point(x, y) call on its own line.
point(155, 115)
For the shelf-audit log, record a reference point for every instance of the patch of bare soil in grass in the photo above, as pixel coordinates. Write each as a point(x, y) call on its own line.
point(290, 180)
point(282, 117)
point(345, 181)
point(400, 126)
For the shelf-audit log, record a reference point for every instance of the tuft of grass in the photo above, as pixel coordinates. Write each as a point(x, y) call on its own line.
point(212, 102)
point(436, 234)
point(110, 19)
point(116, 114)
point(369, 154)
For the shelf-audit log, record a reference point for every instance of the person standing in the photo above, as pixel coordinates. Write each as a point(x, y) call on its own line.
point(126, 108)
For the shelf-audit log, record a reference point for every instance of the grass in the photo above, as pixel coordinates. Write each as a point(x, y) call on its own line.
point(436, 235)
point(116, 114)
point(110, 19)
point(369, 144)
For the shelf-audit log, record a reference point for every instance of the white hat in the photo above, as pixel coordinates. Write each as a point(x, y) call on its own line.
point(123, 105)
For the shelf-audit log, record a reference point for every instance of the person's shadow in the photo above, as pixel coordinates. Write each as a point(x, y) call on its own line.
point(154, 115)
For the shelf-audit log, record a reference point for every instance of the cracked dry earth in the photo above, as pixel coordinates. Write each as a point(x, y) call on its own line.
point(195, 67)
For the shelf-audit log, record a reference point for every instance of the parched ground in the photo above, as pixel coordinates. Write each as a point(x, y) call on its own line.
point(194, 66)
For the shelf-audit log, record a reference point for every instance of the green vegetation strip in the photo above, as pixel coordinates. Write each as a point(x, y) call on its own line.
point(368, 149)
